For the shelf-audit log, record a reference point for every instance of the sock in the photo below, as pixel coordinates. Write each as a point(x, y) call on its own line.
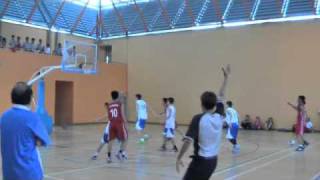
point(233, 142)
point(301, 145)
point(123, 153)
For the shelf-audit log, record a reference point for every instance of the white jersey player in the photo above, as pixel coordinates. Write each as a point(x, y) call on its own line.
point(232, 119)
point(170, 125)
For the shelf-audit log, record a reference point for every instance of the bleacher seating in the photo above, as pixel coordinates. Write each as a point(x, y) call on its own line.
point(214, 11)
point(179, 14)
point(269, 9)
point(300, 7)
point(240, 10)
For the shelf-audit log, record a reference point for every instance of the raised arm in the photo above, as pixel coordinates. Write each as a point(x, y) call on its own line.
point(293, 106)
point(226, 72)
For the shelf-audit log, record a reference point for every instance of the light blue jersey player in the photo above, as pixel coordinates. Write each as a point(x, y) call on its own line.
point(142, 117)
point(232, 119)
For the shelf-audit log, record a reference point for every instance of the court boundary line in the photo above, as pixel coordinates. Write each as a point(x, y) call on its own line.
point(267, 163)
point(251, 161)
point(316, 176)
point(51, 177)
point(101, 166)
point(258, 167)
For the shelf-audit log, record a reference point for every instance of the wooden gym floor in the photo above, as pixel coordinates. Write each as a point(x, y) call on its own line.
point(264, 155)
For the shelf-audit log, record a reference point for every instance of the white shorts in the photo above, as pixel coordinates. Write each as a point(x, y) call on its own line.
point(105, 136)
point(140, 124)
point(168, 132)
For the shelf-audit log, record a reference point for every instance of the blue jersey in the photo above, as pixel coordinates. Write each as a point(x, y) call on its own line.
point(20, 130)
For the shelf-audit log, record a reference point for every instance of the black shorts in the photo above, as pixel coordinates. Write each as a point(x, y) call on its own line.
point(201, 168)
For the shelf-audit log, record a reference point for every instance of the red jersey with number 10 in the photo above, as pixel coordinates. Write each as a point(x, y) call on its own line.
point(115, 112)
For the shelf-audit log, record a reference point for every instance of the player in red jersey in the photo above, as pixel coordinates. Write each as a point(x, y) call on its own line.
point(301, 120)
point(118, 127)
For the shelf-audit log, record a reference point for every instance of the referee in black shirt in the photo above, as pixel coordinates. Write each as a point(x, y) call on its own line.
point(205, 133)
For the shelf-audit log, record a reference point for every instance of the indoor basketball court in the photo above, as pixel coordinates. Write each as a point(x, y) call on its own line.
point(159, 89)
point(263, 155)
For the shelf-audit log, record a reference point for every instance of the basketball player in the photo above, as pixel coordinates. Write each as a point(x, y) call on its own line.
point(169, 128)
point(163, 114)
point(301, 119)
point(142, 115)
point(232, 119)
point(105, 138)
point(205, 133)
point(165, 105)
point(118, 127)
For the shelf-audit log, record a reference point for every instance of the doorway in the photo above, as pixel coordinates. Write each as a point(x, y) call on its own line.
point(64, 103)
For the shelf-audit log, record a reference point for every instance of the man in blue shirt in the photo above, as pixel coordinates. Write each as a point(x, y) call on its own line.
point(21, 132)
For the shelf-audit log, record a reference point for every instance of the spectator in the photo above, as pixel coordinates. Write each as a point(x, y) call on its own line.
point(26, 45)
point(40, 47)
point(309, 126)
point(12, 43)
point(4, 42)
point(47, 49)
point(258, 124)
point(21, 132)
point(58, 50)
point(33, 45)
point(18, 44)
point(269, 124)
point(0, 41)
point(247, 122)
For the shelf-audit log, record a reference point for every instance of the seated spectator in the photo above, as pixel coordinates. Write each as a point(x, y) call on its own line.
point(18, 44)
point(4, 43)
point(27, 45)
point(269, 124)
point(246, 123)
point(309, 126)
point(58, 50)
point(47, 50)
point(33, 45)
point(12, 43)
point(258, 124)
point(40, 47)
point(0, 41)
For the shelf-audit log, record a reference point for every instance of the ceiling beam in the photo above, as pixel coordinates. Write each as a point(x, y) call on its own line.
point(165, 13)
point(190, 12)
point(102, 28)
point(33, 10)
point(75, 25)
point(46, 11)
point(5, 8)
point(53, 22)
point(94, 29)
point(216, 7)
point(42, 13)
point(255, 9)
point(246, 4)
point(138, 9)
point(120, 18)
